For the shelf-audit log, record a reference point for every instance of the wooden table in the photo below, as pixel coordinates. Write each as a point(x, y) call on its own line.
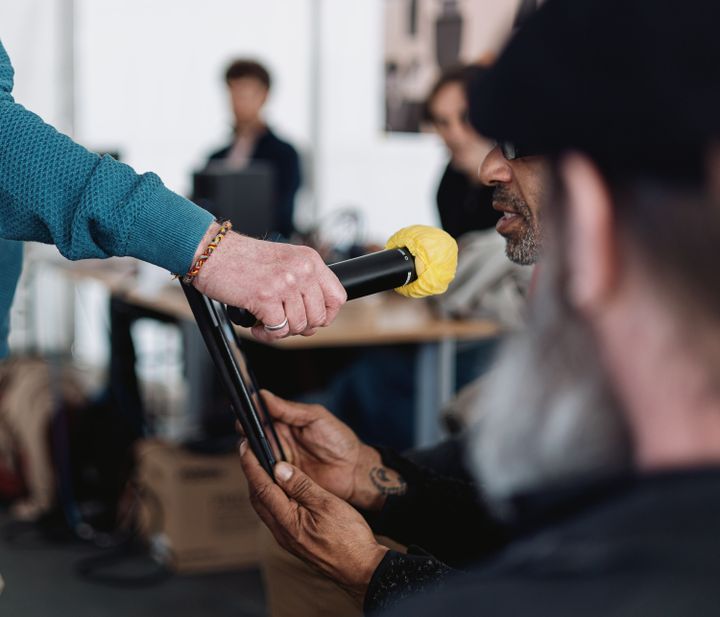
point(383, 319)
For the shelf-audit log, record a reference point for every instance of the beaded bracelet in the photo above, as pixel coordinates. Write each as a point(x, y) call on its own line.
point(225, 226)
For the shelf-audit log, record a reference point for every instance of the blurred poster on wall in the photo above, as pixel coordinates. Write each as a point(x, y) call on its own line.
point(423, 38)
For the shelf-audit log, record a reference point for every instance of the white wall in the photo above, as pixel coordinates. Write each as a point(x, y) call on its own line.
point(150, 75)
point(392, 178)
point(149, 83)
point(31, 31)
point(34, 34)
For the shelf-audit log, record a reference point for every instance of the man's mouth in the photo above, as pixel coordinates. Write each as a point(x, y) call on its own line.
point(509, 220)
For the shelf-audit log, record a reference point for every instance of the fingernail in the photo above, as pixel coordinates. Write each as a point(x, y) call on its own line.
point(283, 471)
point(243, 447)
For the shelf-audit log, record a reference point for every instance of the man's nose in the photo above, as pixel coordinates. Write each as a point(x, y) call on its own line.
point(495, 169)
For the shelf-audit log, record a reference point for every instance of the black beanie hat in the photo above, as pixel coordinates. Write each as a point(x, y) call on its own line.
point(635, 84)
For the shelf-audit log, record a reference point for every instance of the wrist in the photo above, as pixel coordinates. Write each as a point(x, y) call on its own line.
point(207, 237)
point(195, 276)
point(364, 494)
point(366, 570)
point(373, 482)
point(209, 274)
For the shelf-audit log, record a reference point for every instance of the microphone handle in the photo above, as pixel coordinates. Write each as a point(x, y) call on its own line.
point(361, 276)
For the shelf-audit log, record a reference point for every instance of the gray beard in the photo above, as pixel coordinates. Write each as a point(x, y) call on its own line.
point(526, 251)
point(546, 416)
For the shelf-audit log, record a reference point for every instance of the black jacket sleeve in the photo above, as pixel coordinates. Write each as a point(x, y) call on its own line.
point(400, 576)
point(287, 164)
point(444, 515)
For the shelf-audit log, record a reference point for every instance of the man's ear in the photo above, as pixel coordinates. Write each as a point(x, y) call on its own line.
point(591, 241)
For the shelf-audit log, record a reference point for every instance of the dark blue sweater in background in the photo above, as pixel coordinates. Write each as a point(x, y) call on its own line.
point(284, 160)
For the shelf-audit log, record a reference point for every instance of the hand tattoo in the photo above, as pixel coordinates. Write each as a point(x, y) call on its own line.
point(387, 481)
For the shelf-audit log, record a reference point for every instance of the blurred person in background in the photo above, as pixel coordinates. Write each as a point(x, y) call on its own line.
point(248, 84)
point(463, 201)
point(598, 447)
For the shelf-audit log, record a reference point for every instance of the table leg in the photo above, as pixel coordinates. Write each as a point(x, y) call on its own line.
point(434, 386)
point(199, 372)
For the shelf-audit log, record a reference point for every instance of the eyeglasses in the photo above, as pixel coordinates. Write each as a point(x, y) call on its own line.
point(509, 150)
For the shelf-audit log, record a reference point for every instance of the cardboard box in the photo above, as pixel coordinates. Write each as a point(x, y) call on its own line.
point(195, 511)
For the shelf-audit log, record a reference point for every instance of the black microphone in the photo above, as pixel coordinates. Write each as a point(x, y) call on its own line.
point(360, 276)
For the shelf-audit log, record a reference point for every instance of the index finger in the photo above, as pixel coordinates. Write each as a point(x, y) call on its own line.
point(294, 414)
point(334, 294)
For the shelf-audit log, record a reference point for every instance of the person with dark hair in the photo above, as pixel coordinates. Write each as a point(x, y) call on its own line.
point(248, 84)
point(463, 202)
point(597, 449)
point(244, 69)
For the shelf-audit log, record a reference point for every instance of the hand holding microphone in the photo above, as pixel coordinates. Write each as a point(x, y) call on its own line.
point(286, 286)
point(418, 261)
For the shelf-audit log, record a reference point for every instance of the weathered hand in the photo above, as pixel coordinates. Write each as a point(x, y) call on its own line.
point(317, 442)
point(314, 524)
point(328, 451)
point(273, 281)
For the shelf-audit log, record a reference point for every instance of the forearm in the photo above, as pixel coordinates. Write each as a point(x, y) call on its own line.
point(55, 191)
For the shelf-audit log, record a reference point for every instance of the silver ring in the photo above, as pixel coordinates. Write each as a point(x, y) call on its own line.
point(280, 326)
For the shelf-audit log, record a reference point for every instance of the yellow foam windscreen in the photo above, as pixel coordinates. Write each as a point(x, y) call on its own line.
point(435, 253)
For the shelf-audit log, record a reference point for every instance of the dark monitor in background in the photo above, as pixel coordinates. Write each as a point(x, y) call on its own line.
point(245, 196)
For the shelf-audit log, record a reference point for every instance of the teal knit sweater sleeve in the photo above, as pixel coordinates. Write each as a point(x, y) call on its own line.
point(10, 263)
point(52, 190)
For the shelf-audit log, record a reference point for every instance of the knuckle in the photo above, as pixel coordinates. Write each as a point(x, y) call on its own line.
point(260, 494)
point(308, 261)
point(303, 487)
point(291, 282)
point(335, 298)
point(264, 295)
point(254, 501)
point(308, 254)
point(317, 410)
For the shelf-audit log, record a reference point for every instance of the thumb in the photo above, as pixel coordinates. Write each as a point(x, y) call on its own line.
point(298, 485)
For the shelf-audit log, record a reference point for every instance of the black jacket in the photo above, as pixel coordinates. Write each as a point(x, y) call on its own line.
point(633, 546)
point(284, 160)
point(441, 518)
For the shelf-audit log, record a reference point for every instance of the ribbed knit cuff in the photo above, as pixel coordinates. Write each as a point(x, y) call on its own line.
point(400, 576)
point(167, 231)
